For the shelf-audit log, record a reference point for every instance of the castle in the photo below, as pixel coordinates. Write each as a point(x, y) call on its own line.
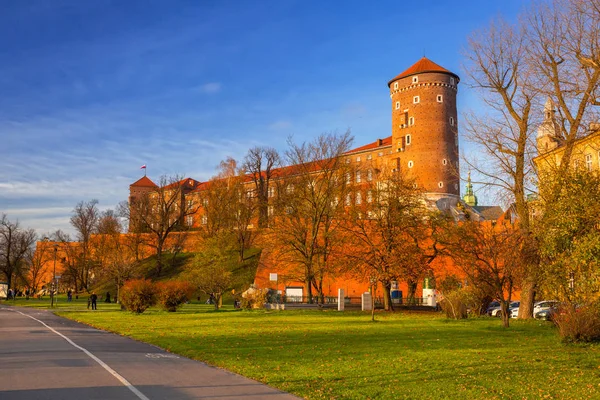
point(423, 145)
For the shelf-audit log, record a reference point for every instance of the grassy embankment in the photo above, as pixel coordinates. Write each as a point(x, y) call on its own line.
point(328, 354)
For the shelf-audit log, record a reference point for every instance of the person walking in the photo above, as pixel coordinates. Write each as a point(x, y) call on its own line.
point(94, 300)
point(69, 296)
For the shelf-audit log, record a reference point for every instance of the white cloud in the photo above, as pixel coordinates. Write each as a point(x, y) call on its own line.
point(209, 88)
point(280, 125)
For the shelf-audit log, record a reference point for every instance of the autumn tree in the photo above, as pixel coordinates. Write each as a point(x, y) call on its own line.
point(260, 164)
point(211, 270)
point(15, 243)
point(491, 257)
point(552, 52)
point(161, 212)
point(388, 225)
point(37, 261)
point(308, 197)
point(569, 236)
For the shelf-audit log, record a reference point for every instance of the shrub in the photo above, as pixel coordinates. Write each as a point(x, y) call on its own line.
point(138, 294)
point(578, 324)
point(172, 294)
point(254, 298)
point(454, 304)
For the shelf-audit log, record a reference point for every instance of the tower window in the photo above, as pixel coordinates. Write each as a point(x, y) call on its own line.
point(408, 139)
point(444, 161)
point(410, 164)
point(411, 121)
point(452, 81)
point(415, 79)
point(396, 85)
point(452, 121)
point(440, 98)
point(440, 184)
point(416, 100)
point(397, 105)
point(456, 186)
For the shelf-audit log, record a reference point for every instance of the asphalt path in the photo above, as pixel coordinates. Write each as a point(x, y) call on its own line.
point(43, 356)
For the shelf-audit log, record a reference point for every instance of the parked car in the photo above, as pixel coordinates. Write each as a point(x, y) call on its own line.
point(546, 314)
point(497, 311)
point(494, 305)
point(537, 307)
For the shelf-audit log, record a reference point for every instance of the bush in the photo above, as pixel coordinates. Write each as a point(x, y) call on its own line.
point(254, 298)
point(138, 294)
point(454, 304)
point(172, 294)
point(579, 324)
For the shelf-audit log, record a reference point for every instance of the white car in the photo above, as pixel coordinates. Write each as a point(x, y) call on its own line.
point(537, 307)
point(497, 311)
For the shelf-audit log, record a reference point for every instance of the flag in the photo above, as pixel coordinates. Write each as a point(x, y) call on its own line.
point(143, 166)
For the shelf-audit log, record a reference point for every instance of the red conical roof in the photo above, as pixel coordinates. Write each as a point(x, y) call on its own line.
point(144, 181)
point(423, 65)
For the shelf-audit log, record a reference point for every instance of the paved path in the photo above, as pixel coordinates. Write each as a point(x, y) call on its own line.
point(43, 356)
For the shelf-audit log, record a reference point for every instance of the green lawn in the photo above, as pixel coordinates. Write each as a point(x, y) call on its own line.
point(328, 354)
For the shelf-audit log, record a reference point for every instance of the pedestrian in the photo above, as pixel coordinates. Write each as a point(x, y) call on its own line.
point(69, 295)
point(89, 302)
point(107, 300)
point(10, 294)
point(94, 299)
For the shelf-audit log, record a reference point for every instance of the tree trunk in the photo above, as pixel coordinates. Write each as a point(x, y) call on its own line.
point(505, 314)
point(159, 259)
point(412, 289)
point(527, 298)
point(387, 298)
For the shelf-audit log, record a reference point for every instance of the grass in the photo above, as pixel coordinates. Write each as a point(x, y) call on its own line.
point(326, 354)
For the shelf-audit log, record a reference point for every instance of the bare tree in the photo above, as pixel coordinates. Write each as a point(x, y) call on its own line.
point(161, 212)
point(260, 163)
point(553, 52)
point(307, 196)
point(15, 243)
point(85, 221)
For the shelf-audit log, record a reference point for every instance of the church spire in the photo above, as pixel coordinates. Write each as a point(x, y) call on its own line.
point(469, 198)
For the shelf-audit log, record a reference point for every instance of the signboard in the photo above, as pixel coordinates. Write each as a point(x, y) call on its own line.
point(273, 277)
point(58, 276)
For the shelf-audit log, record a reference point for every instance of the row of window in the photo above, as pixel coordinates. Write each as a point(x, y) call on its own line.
point(417, 100)
point(415, 79)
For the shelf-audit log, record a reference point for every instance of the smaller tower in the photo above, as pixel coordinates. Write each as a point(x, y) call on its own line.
point(469, 198)
point(548, 134)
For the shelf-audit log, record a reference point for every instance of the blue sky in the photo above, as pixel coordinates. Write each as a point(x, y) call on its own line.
point(91, 90)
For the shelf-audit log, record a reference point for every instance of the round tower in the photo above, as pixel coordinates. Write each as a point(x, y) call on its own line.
point(425, 127)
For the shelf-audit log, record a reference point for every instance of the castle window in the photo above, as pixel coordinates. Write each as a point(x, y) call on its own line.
point(440, 184)
point(416, 100)
point(271, 192)
point(347, 161)
point(270, 211)
point(408, 140)
point(452, 121)
point(358, 198)
point(440, 98)
point(380, 154)
point(415, 79)
point(290, 188)
point(204, 220)
point(348, 199)
point(452, 81)
point(358, 179)
point(370, 157)
point(397, 105)
point(396, 85)
point(189, 220)
point(369, 175)
point(588, 162)
point(348, 179)
point(410, 164)
point(370, 196)
point(444, 161)
point(456, 186)
point(411, 121)
point(358, 159)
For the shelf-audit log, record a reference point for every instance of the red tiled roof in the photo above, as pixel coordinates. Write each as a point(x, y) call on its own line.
point(185, 183)
point(378, 143)
point(144, 181)
point(423, 65)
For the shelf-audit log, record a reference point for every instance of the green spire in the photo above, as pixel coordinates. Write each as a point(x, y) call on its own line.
point(469, 196)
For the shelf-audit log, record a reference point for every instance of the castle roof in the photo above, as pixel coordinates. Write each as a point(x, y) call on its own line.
point(421, 66)
point(144, 181)
point(378, 143)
